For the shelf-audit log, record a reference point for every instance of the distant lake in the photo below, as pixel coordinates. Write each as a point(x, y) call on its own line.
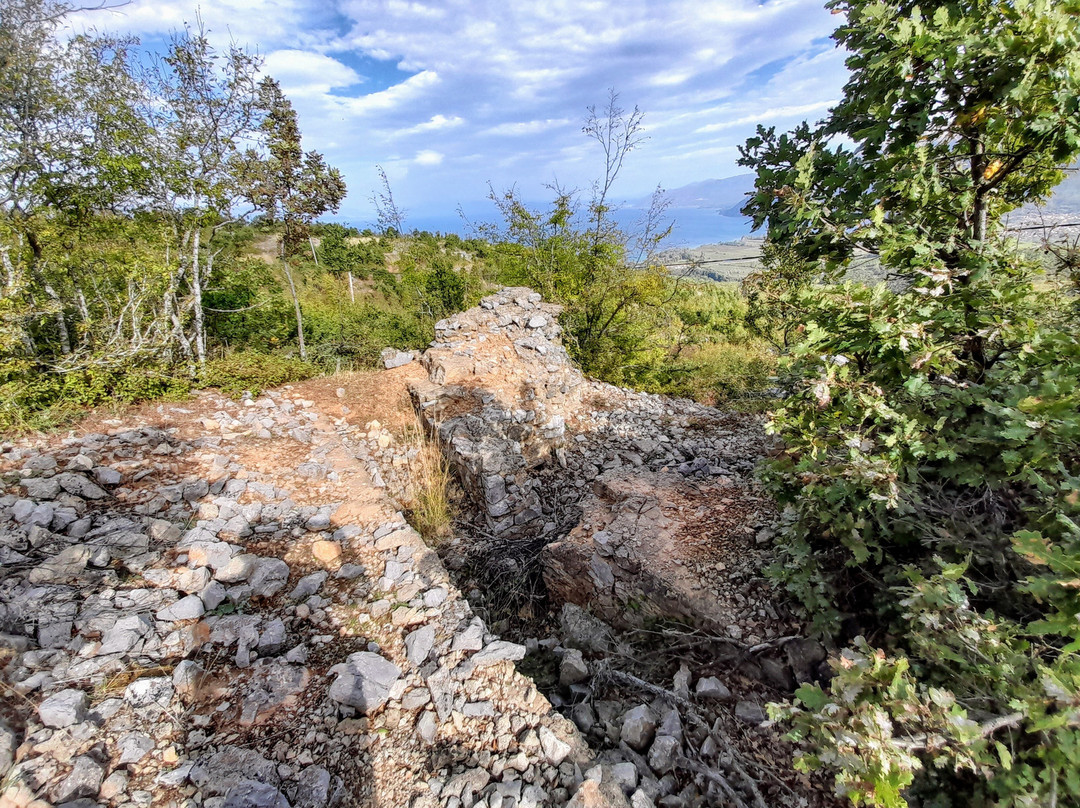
point(693, 226)
point(696, 226)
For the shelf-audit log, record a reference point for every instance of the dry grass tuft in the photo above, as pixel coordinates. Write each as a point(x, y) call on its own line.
point(429, 503)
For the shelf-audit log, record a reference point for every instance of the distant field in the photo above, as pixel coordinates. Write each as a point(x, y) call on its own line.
point(723, 263)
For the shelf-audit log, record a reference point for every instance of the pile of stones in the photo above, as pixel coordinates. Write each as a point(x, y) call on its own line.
point(223, 608)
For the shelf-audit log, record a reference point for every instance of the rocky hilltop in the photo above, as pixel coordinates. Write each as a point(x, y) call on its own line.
point(221, 603)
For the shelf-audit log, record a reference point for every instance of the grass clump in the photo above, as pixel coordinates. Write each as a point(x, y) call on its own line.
point(429, 505)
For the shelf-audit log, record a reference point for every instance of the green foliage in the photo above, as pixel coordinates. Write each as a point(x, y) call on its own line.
point(613, 292)
point(38, 401)
point(249, 371)
point(961, 112)
point(719, 372)
point(932, 435)
point(289, 185)
point(344, 251)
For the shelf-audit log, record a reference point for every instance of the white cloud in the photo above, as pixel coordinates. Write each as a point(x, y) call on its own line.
point(434, 124)
point(412, 89)
point(480, 90)
point(519, 128)
point(428, 157)
point(767, 115)
point(307, 72)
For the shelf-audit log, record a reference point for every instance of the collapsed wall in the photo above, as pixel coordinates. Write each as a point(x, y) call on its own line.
point(645, 506)
point(500, 389)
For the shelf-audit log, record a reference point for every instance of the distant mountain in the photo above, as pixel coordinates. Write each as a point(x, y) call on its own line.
point(724, 196)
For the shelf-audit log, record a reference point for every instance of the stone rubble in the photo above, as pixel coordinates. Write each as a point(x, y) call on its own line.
point(636, 507)
point(223, 608)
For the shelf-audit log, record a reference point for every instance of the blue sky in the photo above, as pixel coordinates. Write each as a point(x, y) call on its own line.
point(449, 96)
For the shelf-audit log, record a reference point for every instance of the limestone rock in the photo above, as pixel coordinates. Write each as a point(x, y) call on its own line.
point(709, 687)
point(638, 728)
point(187, 608)
point(662, 753)
point(63, 709)
point(750, 713)
point(418, 644)
point(269, 577)
point(364, 681)
point(80, 486)
point(253, 794)
point(393, 358)
point(572, 669)
point(84, 780)
point(326, 552)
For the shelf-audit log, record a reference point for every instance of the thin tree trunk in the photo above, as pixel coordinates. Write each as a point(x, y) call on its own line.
point(352, 291)
point(299, 315)
point(9, 268)
point(311, 242)
point(196, 293)
point(61, 324)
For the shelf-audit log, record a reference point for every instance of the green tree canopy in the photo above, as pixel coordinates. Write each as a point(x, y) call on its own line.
point(289, 185)
point(955, 113)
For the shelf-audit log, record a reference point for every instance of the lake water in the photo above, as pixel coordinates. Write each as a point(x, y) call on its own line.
point(693, 226)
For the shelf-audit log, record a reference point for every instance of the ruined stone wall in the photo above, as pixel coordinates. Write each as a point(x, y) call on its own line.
point(500, 389)
point(647, 506)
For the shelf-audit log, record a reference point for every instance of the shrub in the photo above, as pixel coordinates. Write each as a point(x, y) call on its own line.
point(248, 371)
point(721, 372)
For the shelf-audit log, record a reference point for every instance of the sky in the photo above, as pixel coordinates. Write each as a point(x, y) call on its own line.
point(452, 97)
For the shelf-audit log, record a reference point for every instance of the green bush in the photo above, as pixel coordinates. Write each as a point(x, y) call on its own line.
point(932, 497)
point(42, 400)
point(720, 372)
point(249, 371)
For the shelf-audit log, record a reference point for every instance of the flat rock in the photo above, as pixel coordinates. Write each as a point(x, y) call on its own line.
point(750, 713)
point(393, 358)
point(187, 608)
point(326, 552)
point(269, 577)
point(41, 487)
point(84, 780)
point(317, 788)
point(497, 652)
point(364, 681)
point(253, 794)
point(125, 634)
point(555, 750)
point(133, 747)
point(80, 486)
point(63, 709)
point(709, 687)
point(418, 644)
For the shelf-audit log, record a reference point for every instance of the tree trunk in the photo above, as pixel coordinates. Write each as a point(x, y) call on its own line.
point(196, 293)
point(9, 269)
point(296, 305)
point(352, 291)
point(314, 257)
point(61, 324)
